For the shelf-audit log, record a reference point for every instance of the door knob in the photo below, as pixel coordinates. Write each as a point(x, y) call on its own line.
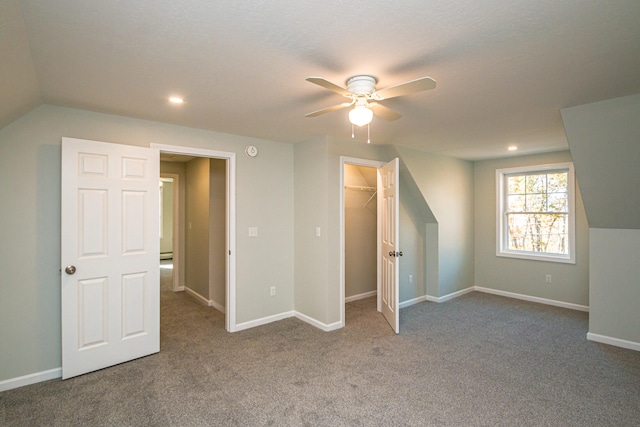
point(392, 253)
point(70, 269)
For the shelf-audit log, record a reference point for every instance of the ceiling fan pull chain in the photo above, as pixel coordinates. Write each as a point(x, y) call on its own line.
point(353, 135)
point(369, 133)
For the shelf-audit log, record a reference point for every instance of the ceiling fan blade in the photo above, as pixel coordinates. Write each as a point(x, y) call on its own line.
point(418, 85)
point(329, 109)
point(328, 85)
point(384, 112)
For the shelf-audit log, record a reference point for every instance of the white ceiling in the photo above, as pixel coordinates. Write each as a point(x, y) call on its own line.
point(504, 68)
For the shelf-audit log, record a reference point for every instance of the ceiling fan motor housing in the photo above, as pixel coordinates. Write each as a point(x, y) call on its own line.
point(361, 85)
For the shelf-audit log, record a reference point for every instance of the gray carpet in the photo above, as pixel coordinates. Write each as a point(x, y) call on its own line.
point(477, 360)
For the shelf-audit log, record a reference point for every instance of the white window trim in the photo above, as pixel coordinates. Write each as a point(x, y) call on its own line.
point(501, 233)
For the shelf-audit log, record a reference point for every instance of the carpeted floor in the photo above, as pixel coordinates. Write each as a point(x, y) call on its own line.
point(473, 361)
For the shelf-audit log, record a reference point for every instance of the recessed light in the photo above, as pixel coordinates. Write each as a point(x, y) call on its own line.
point(176, 100)
point(512, 148)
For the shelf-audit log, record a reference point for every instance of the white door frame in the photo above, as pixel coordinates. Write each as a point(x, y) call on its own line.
point(177, 261)
point(230, 285)
point(357, 162)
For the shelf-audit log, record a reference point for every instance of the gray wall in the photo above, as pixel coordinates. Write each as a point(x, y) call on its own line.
point(30, 233)
point(412, 246)
point(614, 289)
point(570, 282)
point(446, 184)
point(311, 276)
point(604, 138)
point(197, 241)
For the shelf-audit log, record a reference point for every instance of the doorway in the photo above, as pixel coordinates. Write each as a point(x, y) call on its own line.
point(219, 238)
point(200, 229)
point(356, 184)
point(361, 230)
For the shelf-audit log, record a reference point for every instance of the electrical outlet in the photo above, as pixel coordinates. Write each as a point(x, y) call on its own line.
point(547, 278)
point(272, 291)
point(253, 231)
point(411, 279)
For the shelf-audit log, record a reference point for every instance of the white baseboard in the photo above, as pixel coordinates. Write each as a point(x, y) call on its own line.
point(533, 299)
point(327, 327)
point(413, 301)
point(263, 321)
point(30, 379)
point(360, 296)
point(450, 296)
point(217, 306)
point(203, 300)
point(614, 341)
point(180, 288)
point(197, 296)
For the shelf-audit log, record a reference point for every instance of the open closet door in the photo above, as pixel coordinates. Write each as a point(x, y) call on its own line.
point(110, 254)
point(388, 184)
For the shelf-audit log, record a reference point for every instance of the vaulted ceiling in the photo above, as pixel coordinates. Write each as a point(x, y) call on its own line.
point(503, 69)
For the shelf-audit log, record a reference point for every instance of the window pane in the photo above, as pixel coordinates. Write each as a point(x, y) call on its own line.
point(558, 202)
point(557, 182)
point(536, 184)
point(515, 184)
point(516, 203)
point(536, 203)
point(546, 233)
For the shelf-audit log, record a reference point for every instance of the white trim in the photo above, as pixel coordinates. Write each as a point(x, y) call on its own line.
point(203, 300)
point(613, 341)
point(230, 286)
point(30, 379)
point(450, 296)
point(217, 306)
point(263, 321)
point(360, 296)
point(180, 288)
point(357, 162)
point(530, 298)
point(413, 301)
point(197, 296)
point(313, 322)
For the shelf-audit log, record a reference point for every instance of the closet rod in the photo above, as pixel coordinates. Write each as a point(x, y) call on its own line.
point(360, 188)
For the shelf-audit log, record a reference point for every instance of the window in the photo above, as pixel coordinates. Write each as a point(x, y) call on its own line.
point(535, 210)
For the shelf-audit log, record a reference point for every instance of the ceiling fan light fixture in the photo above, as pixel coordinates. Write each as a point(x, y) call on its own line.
point(360, 115)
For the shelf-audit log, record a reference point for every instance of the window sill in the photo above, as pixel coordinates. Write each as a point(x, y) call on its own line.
point(536, 257)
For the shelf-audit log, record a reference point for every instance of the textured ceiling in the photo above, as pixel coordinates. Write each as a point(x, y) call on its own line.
point(504, 69)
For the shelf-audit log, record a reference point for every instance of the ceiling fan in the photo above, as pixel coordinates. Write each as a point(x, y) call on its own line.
point(362, 93)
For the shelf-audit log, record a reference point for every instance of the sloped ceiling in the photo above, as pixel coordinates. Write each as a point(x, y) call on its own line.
point(504, 69)
point(605, 147)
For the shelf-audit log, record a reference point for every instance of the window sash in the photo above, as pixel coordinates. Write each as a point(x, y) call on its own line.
point(548, 202)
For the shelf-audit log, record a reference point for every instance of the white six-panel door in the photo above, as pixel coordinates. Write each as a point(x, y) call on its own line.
point(388, 181)
point(110, 237)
